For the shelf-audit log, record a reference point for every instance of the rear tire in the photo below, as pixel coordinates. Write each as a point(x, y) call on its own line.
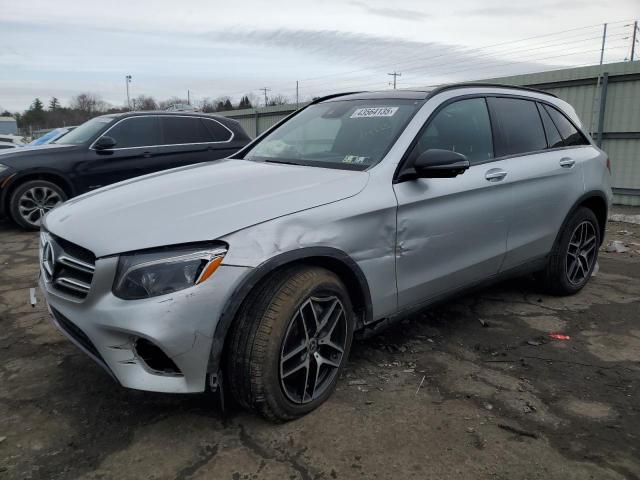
point(30, 201)
point(278, 345)
point(574, 255)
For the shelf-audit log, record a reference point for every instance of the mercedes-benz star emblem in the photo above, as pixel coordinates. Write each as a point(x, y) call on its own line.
point(48, 260)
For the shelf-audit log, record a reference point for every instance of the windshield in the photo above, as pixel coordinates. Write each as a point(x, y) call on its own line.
point(47, 137)
point(352, 134)
point(86, 131)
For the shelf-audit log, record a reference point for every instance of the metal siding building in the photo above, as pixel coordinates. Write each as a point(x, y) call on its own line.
point(8, 126)
point(258, 120)
point(612, 90)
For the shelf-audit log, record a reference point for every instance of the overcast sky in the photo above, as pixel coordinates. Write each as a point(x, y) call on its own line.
point(213, 48)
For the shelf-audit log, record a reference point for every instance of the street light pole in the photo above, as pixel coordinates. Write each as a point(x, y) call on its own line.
point(127, 81)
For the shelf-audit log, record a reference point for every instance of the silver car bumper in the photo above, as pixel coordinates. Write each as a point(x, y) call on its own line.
point(181, 325)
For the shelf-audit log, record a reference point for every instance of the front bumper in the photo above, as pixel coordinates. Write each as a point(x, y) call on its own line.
point(181, 324)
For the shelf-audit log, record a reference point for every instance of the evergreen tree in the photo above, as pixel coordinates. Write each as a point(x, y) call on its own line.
point(37, 105)
point(54, 104)
point(245, 102)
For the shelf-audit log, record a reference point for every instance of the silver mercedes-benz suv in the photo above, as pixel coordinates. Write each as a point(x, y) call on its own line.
point(254, 272)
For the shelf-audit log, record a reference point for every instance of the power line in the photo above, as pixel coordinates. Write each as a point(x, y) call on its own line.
point(365, 86)
point(434, 67)
point(470, 50)
point(515, 48)
point(463, 55)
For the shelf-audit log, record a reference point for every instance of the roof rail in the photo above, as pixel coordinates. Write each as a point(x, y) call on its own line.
point(480, 84)
point(334, 95)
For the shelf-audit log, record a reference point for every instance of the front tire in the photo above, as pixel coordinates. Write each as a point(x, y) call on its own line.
point(290, 342)
point(30, 202)
point(574, 256)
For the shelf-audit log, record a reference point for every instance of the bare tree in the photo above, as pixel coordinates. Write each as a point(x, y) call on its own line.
point(278, 99)
point(144, 102)
point(88, 103)
point(164, 104)
point(254, 100)
point(207, 105)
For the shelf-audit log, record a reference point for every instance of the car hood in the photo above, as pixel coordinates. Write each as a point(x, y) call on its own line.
point(8, 156)
point(196, 203)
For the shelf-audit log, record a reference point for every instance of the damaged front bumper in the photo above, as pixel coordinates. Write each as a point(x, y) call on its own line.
point(159, 344)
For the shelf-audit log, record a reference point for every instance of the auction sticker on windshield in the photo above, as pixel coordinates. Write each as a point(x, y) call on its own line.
point(368, 112)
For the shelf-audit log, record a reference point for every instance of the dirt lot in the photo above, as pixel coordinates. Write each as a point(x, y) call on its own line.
point(500, 399)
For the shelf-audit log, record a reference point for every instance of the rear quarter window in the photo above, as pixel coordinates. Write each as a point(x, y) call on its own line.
point(571, 136)
point(554, 139)
point(217, 131)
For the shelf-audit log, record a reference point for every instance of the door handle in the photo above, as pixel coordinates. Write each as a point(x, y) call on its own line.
point(495, 175)
point(567, 162)
point(146, 154)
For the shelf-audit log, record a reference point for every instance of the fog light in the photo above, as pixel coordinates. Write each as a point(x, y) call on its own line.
point(155, 358)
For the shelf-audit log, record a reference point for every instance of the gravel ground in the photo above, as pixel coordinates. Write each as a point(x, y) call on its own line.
point(474, 389)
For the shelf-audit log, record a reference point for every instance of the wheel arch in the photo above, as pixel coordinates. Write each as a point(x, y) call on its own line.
point(48, 175)
point(594, 200)
point(332, 259)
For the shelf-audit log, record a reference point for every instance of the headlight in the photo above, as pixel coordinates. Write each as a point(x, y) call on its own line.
point(153, 273)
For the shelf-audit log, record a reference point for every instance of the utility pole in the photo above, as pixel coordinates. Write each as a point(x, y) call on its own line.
point(127, 81)
point(634, 40)
point(297, 94)
point(394, 75)
point(188, 97)
point(265, 90)
point(604, 39)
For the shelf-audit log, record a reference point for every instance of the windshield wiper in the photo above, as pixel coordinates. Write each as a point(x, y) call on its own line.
point(286, 162)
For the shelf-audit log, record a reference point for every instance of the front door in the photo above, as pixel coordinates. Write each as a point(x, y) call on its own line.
point(451, 232)
point(134, 154)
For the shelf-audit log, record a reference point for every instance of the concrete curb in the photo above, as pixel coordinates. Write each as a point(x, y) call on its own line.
point(619, 217)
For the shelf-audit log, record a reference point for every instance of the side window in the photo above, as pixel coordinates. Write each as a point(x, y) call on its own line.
point(463, 127)
point(179, 130)
point(519, 126)
point(570, 134)
point(136, 132)
point(554, 139)
point(217, 132)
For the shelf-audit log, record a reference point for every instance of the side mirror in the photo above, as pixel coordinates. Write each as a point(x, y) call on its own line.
point(104, 143)
point(435, 163)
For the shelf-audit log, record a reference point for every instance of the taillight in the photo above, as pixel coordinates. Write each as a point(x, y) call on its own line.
point(609, 164)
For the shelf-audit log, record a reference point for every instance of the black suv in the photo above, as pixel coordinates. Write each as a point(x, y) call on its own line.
point(105, 150)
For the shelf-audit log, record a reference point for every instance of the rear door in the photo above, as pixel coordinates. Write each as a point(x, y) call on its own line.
point(546, 176)
point(134, 154)
point(452, 232)
point(187, 140)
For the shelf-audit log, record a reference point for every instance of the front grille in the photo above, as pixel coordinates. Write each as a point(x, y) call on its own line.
point(66, 266)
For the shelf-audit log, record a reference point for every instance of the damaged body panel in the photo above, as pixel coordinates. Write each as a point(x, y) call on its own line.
point(399, 199)
point(195, 203)
point(181, 325)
